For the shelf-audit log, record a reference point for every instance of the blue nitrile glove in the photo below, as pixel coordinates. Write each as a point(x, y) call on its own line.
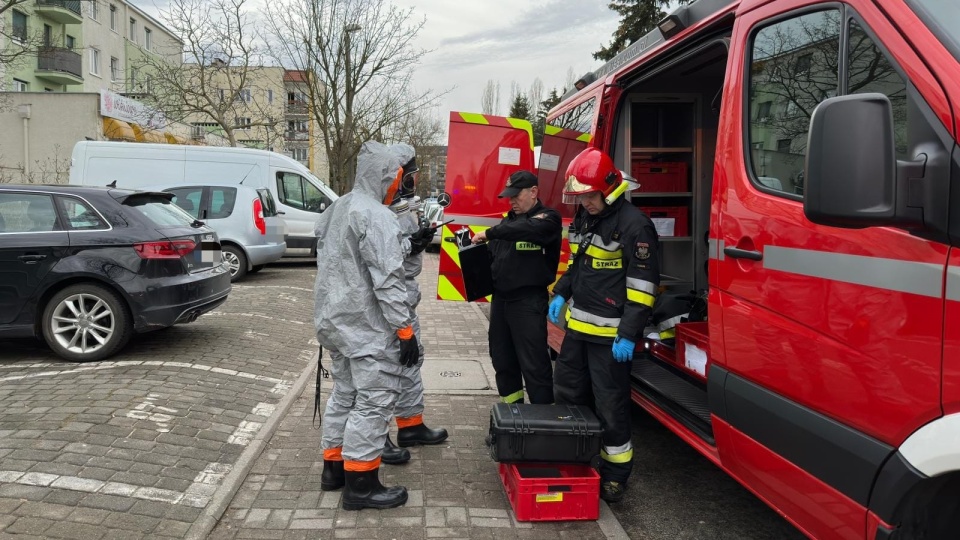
point(623, 349)
point(556, 306)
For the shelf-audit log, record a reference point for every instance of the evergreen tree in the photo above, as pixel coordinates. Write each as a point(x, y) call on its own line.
point(520, 108)
point(541, 120)
point(637, 17)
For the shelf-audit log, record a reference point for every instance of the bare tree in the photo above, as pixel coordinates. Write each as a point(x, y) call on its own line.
point(220, 82)
point(21, 43)
point(487, 100)
point(361, 56)
point(535, 96)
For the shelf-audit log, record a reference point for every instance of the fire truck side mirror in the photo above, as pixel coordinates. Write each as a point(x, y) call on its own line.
point(850, 177)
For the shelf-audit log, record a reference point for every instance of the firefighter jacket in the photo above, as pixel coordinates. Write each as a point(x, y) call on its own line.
point(613, 274)
point(525, 250)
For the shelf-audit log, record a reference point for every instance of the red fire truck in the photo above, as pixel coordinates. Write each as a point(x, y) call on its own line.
point(800, 159)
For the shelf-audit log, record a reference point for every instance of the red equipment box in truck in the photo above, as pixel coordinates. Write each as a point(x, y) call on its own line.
point(822, 219)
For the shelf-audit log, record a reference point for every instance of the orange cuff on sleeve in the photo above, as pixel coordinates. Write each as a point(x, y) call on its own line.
point(409, 422)
point(361, 466)
point(405, 333)
point(333, 454)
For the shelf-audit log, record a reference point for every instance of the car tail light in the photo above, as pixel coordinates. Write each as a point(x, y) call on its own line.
point(258, 216)
point(164, 250)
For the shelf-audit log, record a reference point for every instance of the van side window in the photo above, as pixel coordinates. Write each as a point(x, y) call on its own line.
point(188, 199)
point(794, 66)
point(868, 70)
point(298, 192)
point(266, 200)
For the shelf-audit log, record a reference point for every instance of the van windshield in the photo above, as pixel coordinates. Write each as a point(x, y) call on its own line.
point(943, 18)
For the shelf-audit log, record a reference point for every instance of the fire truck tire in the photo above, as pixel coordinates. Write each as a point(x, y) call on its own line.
point(933, 510)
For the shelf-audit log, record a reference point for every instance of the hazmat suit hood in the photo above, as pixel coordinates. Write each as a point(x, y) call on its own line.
point(360, 295)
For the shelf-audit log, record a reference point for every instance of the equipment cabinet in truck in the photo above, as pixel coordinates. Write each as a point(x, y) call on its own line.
point(800, 160)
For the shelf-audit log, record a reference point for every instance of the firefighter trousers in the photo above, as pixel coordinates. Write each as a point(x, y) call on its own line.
point(518, 348)
point(586, 374)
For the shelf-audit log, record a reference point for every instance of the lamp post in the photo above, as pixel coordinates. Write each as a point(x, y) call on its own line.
point(348, 116)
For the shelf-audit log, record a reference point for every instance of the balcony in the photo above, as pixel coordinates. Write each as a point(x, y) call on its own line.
point(296, 136)
point(62, 11)
point(59, 66)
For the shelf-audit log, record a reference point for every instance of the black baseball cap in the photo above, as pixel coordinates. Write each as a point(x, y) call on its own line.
point(517, 181)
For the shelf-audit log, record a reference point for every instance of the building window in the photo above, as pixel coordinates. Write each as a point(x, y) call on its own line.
point(243, 122)
point(94, 62)
point(133, 30)
point(19, 26)
point(94, 10)
point(19, 86)
point(113, 17)
point(296, 98)
point(297, 126)
point(269, 96)
point(299, 154)
point(70, 42)
point(244, 95)
point(148, 39)
point(114, 69)
point(133, 79)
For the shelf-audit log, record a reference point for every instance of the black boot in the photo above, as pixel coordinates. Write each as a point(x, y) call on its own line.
point(394, 455)
point(332, 477)
point(364, 490)
point(420, 434)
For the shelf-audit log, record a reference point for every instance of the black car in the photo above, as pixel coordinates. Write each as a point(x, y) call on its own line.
point(87, 267)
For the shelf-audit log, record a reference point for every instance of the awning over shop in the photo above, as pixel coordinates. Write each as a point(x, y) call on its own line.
point(118, 130)
point(173, 139)
point(147, 135)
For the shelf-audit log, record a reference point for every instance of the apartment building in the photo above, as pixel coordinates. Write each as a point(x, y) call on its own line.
point(272, 112)
point(83, 46)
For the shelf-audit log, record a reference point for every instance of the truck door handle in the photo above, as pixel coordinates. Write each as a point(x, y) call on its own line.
point(743, 254)
point(32, 258)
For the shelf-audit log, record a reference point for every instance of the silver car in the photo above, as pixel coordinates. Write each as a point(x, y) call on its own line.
point(245, 219)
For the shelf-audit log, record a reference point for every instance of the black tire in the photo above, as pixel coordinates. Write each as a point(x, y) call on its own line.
point(69, 334)
point(256, 268)
point(236, 261)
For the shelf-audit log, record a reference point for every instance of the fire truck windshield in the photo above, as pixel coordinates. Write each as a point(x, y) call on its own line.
point(943, 18)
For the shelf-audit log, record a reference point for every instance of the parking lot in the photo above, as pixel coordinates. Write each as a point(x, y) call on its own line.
point(140, 442)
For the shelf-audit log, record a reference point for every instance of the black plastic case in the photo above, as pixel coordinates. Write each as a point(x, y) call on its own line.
point(544, 433)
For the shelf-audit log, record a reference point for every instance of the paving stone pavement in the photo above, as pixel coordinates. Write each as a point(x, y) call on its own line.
point(455, 490)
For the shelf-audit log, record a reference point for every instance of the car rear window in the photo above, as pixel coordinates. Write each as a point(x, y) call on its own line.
point(159, 210)
point(269, 205)
point(222, 200)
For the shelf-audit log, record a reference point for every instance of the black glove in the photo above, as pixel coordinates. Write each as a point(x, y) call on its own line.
point(422, 238)
point(409, 347)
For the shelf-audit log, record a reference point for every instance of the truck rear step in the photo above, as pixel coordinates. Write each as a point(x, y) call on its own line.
point(674, 393)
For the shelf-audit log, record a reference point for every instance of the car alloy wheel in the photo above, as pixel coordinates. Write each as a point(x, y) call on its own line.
point(86, 322)
point(236, 262)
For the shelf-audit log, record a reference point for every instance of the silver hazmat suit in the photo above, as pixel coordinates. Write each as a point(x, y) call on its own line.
point(410, 402)
point(360, 303)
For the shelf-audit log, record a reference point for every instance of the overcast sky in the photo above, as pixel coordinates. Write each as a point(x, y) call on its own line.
point(504, 40)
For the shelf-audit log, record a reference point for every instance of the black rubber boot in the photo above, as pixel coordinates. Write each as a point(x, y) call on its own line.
point(394, 455)
point(611, 491)
point(420, 434)
point(364, 490)
point(332, 477)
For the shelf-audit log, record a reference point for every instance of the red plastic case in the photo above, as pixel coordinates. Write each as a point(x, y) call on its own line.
point(552, 491)
point(677, 213)
point(660, 177)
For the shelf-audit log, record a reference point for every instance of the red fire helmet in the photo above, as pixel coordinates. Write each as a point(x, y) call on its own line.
point(591, 170)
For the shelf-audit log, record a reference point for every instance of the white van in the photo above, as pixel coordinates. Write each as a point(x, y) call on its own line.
point(300, 196)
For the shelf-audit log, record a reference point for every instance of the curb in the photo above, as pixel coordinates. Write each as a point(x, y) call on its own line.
point(610, 525)
point(231, 484)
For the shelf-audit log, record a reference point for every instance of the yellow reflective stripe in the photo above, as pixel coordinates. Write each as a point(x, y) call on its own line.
point(574, 248)
point(592, 329)
point(524, 125)
point(474, 118)
point(586, 137)
point(512, 398)
point(598, 253)
point(551, 130)
point(615, 264)
point(446, 290)
point(623, 457)
point(641, 297)
point(668, 334)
